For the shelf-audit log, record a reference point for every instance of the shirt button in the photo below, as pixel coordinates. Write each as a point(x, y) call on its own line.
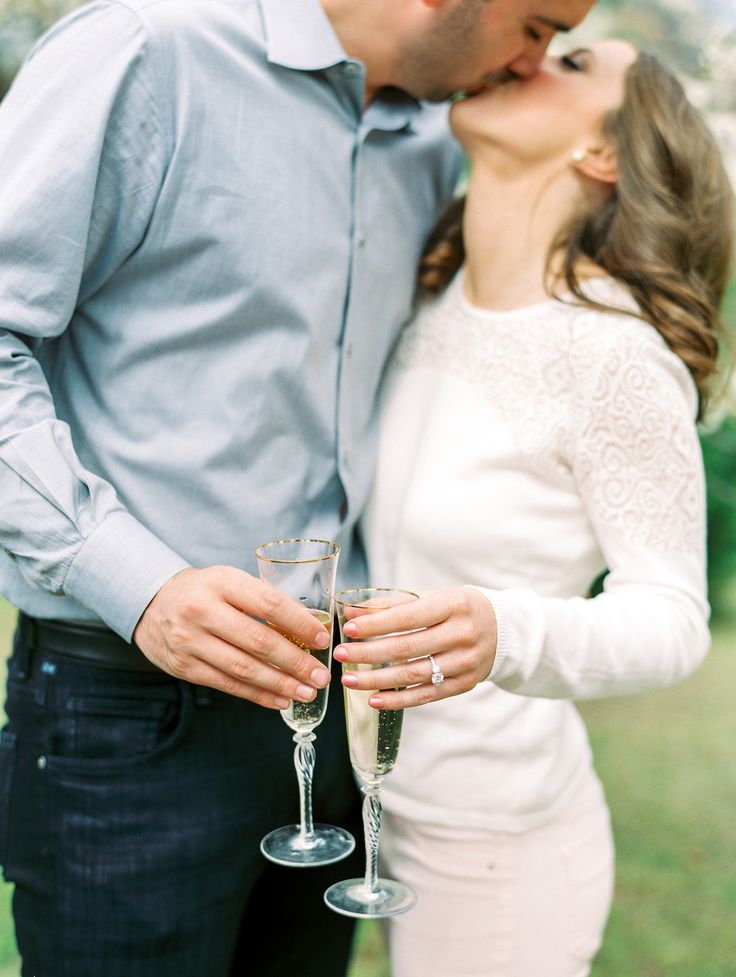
point(351, 69)
point(361, 240)
point(349, 350)
point(41, 763)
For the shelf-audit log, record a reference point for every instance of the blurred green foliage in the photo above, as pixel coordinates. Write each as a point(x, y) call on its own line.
point(719, 456)
point(719, 453)
point(21, 22)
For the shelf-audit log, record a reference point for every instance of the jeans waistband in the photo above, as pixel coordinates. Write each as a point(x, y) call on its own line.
point(88, 644)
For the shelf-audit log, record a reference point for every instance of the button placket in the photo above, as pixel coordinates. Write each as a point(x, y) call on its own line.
point(348, 349)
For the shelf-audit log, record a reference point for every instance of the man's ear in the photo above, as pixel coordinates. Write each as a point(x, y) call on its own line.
point(598, 163)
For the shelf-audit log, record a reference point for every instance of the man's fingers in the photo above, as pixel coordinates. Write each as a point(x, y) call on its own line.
point(250, 642)
point(258, 598)
point(203, 673)
point(244, 668)
point(277, 665)
point(209, 613)
point(204, 616)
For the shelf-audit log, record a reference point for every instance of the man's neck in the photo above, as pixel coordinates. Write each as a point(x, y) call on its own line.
point(370, 32)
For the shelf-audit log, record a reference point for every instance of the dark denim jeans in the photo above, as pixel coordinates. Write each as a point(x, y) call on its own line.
point(131, 810)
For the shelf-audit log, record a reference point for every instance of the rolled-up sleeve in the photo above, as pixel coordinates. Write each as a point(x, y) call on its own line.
point(82, 158)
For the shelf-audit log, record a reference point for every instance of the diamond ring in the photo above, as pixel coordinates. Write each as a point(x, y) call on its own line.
point(438, 676)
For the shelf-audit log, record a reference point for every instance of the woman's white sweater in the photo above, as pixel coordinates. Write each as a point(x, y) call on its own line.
point(522, 453)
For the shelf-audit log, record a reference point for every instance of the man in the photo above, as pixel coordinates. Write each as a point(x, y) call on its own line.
point(210, 218)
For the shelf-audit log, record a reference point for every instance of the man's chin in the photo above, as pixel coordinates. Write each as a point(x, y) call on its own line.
point(456, 94)
point(472, 93)
point(489, 86)
point(436, 96)
point(453, 95)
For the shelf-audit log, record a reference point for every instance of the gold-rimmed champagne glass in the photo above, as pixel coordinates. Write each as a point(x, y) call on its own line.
point(305, 569)
point(373, 739)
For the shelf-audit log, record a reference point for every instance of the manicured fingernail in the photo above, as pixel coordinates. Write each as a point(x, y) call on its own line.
point(340, 654)
point(320, 677)
point(351, 630)
point(350, 680)
point(282, 703)
point(305, 693)
point(322, 639)
point(376, 701)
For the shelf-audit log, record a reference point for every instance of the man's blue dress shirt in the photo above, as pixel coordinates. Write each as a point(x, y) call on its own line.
point(207, 249)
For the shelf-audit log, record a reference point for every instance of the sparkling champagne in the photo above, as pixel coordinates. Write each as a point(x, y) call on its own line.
point(307, 715)
point(373, 734)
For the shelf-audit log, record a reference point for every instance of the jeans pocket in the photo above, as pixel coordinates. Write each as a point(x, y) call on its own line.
point(8, 752)
point(100, 730)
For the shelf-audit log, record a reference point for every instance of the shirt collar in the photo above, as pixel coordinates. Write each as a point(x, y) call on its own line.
point(299, 35)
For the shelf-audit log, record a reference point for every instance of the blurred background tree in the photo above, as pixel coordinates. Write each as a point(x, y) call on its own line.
point(21, 22)
point(719, 454)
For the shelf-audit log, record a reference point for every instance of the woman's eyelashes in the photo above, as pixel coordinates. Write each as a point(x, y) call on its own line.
point(574, 62)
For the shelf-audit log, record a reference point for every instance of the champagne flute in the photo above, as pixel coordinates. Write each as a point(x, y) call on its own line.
point(373, 739)
point(305, 570)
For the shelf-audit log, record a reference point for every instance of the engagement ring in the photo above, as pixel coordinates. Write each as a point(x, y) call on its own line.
point(438, 676)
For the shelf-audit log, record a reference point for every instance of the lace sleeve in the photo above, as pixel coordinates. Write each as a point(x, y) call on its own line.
point(635, 447)
point(636, 460)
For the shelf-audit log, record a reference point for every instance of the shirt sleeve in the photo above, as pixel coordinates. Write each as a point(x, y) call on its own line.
point(636, 458)
point(82, 158)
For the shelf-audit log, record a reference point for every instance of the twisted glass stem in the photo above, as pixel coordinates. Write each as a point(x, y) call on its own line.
point(304, 757)
point(372, 832)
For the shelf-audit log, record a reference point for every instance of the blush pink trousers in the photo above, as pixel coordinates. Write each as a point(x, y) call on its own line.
point(502, 904)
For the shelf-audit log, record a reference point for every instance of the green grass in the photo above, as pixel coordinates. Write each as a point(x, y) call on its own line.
point(668, 760)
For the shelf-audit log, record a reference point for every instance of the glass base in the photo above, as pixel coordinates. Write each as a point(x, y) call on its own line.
point(328, 844)
point(353, 898)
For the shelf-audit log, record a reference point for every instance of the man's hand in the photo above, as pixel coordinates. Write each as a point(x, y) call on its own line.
point(201, 627)
point(456, 626)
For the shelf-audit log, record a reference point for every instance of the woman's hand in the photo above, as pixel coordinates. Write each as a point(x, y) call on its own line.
point(456, 626)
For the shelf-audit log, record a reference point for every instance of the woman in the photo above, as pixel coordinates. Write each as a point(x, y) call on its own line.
point(539, 427)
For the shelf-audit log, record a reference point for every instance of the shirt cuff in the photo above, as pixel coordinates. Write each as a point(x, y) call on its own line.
point(119, 570)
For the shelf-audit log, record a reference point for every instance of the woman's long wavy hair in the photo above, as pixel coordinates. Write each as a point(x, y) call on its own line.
point(665, 232)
